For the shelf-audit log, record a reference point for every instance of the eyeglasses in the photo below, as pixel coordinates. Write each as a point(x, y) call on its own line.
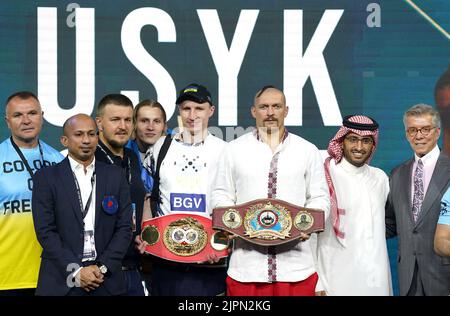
point(354, 140)
point(412, 131)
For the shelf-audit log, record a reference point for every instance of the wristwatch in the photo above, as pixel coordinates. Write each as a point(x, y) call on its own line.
point(103, 268)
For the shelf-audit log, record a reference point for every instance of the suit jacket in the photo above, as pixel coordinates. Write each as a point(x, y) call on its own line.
point(415, 239)
point(59, 225)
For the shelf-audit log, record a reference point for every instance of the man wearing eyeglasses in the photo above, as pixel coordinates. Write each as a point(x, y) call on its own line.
point(352, 251)
point(412, 211)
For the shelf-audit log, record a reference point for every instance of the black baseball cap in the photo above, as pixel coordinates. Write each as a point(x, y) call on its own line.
point(194, 92)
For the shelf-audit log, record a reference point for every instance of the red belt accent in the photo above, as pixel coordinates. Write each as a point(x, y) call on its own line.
point(184, 238)
point(268, 222)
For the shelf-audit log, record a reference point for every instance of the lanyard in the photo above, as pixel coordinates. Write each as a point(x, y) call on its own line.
point(22, 157)
point(149, 156)
point(85, 209)
point(111, 161)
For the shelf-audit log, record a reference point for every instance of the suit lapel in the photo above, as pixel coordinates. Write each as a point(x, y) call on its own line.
point(438, 183)
point(407, 197)
point(67, 181)
point(100, 189)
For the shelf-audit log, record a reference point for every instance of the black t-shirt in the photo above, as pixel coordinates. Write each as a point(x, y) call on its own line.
point(130, 164)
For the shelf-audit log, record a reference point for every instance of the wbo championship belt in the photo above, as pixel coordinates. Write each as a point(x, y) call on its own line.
point(268, 222)
point(183, 238)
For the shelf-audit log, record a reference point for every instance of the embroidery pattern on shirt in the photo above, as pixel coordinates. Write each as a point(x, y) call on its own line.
point(272, 193)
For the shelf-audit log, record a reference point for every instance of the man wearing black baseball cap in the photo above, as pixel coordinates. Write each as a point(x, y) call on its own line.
point(185, 175)
point(195, 106)
point(194, 92)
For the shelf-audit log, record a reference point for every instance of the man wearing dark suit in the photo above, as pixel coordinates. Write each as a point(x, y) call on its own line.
point(412, 210)
point(82, 218)
point(115, 124)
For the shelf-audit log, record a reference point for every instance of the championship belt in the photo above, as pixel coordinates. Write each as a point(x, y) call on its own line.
point(268, 222)
point(183, 238)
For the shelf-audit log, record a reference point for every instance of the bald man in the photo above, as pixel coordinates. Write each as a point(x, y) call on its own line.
point(82, 218)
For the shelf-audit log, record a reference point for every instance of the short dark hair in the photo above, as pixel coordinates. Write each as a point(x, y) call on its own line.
point(443, 81)
point(113, 98)
point(24, 95)
point(260, 92)
point(263, 89)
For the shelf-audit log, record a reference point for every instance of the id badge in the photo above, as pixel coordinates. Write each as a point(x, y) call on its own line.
point(89, 252)
point(133, 218)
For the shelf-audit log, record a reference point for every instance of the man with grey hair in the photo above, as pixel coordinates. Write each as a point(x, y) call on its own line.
point(412, 210)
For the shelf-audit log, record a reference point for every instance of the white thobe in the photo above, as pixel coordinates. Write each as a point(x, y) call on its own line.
point(359, 265)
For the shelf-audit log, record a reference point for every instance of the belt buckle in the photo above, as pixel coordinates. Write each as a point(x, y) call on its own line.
point(267, 221)
point(185, 238)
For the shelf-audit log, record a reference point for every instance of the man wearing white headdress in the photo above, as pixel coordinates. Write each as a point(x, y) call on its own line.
point(352, 251)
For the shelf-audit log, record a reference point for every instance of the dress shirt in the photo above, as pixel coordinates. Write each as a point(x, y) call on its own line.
point(429, 162)
point(84, 181)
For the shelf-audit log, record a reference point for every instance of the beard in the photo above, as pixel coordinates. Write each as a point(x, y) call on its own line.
point(116, 144)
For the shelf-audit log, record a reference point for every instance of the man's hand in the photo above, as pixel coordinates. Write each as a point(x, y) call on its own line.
point(304, 236)
point(90, 278)
point(140, 244)
point(321, 293)
point(230, 236)
point(212, 258)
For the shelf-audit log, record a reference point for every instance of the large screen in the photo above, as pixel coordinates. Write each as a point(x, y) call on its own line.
point(331, 58)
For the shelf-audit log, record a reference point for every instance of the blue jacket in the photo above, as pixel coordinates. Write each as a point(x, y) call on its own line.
point(59, 226)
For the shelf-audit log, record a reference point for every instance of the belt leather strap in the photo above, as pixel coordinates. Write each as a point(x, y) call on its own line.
point(268, 222)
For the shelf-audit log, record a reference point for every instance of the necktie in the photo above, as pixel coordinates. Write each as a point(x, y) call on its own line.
point(418, 190)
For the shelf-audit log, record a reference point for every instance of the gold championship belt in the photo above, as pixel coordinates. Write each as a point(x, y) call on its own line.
point(183, 238)
point(268, 222)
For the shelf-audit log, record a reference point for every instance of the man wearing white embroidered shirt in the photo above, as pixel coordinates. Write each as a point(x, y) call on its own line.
point(442, 236)
point(271, 163)
point(352, 251)
point(82, 218)
point(185, 180)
